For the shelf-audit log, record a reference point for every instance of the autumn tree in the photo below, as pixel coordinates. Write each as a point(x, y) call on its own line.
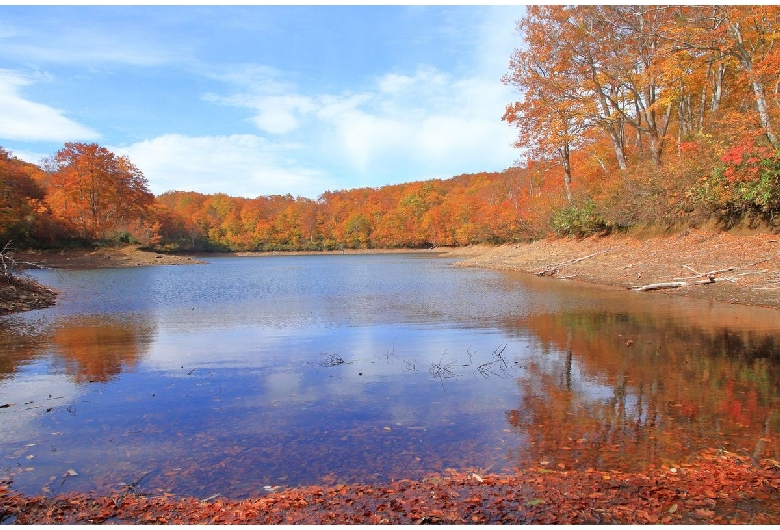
point(637, 78)
point(589, 47)
point(24, 216)
point(744, 39)
point(95, 191)
point(550, 117)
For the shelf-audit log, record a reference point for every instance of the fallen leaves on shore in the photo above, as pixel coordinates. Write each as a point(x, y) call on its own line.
point(718, 488)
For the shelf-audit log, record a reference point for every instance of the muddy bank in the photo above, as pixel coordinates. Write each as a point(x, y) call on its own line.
point(742, 269)
point(128, 256)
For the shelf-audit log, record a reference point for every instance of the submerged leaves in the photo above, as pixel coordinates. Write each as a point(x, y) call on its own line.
point(746, 493)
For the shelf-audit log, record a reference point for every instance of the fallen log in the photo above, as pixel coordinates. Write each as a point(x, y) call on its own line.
point(710, 278)
point(671, 285)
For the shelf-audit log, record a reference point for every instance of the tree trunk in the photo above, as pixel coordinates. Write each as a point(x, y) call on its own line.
point(746, 62)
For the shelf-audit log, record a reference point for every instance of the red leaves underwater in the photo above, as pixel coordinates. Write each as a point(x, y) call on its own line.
point(718, 487)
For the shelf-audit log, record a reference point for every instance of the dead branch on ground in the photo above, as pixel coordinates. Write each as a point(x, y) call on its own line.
point(7, 263)
point(708, 277)
point(552, 270)
point(671, 285)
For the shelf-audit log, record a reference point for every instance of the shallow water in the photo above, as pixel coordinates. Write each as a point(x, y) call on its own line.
point(251, 373)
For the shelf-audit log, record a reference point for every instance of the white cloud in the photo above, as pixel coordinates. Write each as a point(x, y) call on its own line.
point(399, 126)
point(393, 83)
point(498, 38)
point(330, 107)
point(32, 157)
point(262, 89)
point(442, 125)
point(21, 119)
point(274, 114)
point(429, 120)
point(277, 114)
point(239, 165)
point(255, 78)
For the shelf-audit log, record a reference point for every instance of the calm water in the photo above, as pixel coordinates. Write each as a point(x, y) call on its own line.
point(250, 373)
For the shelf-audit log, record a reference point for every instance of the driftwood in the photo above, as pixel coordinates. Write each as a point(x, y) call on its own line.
point(7, 263)
point(709, 277)
point(671, 285)
point(552, 270)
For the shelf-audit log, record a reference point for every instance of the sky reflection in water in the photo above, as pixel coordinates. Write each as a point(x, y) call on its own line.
point(227, 378)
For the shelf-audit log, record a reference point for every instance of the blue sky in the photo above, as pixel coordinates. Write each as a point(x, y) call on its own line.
point(261, 100)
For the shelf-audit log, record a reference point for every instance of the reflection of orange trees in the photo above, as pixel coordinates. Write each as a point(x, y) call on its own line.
point(99, 349)
point(567, 427)
point(18, 347)
point(624, 389)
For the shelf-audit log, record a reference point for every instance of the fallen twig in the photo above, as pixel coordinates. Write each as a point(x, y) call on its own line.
point(552, 270)
point(702, 274)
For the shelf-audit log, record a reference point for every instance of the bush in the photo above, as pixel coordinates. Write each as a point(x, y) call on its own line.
point(577, 220)
point(746, 181)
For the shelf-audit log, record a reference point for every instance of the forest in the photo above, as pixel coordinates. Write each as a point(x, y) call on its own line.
point(626, 116)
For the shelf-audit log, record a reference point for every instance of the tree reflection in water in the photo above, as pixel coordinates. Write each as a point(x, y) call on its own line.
point(628, 392)
point(88, 349)
point(98, 349)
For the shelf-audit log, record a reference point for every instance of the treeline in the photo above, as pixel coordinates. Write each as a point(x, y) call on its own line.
point(628, 115)
point(648, 113)
point(84, 194)
point(463, 210)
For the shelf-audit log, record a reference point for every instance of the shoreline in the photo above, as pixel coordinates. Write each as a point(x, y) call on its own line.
point(20, 293)
point(707, 264)
point(715, 487)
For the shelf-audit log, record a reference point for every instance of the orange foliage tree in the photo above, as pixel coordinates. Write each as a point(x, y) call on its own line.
point(95, 192)
point(485, 207)
point(24, 215)
point(642, 79)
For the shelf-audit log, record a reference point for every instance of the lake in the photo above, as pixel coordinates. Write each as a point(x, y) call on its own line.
point(250, 374)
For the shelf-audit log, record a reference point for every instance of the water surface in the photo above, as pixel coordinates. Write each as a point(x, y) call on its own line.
point(247, 374)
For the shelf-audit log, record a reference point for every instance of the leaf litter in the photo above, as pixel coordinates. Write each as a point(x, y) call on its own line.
point(717, 487)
